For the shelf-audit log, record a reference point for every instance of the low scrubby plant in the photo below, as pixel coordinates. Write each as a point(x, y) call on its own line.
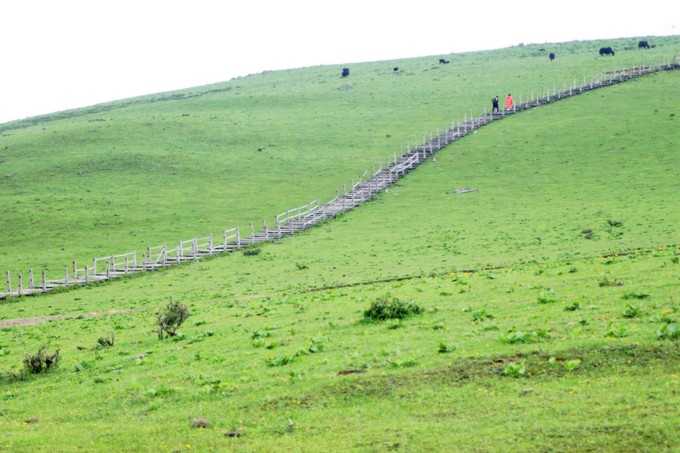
point(515, 370)
point(669, 331)
point(252, 251)
point(519, 337)
point(385, 308)
point(481, 315)
point(606, 282)
point(171, 318)
point(634, 295)
point(616, 331)
point(631, 311)
point(572, 306)
point(544, 299)
point(42, 361)
point(106, 341)
point(445, 348)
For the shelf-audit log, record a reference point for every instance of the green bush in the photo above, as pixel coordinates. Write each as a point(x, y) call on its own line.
point(385, 308)
point(252, 251)
point(106, 341)
point(481, 315)
point(515, 370)
point(170, 318)
point(42, 361)
point(669, 331)
point(631, 312)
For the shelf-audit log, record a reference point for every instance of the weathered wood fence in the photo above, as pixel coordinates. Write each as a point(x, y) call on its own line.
point(298, 219)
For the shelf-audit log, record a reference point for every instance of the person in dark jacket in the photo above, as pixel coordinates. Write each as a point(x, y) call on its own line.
point(494, 104)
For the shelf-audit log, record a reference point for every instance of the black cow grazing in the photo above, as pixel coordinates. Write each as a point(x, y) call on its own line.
point(643, 45)
point(345, 72)
point(443, 61)
point(395, 69)
point(552, 56)
point(607, 51)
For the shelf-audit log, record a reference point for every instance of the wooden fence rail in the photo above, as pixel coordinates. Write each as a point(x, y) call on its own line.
point(301, 218)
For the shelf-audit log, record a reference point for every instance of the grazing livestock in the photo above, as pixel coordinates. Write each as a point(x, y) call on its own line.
point(643, 45)
point(552, 56)
point(345, 72)
point(395, 69)
point(607, 51)
point(443, 61)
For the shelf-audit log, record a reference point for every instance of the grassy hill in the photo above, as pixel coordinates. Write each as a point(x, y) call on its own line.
point(122, 176)
point(549, 298)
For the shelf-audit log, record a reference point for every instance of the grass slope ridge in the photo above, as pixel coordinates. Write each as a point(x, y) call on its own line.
point(358, 194)
point(70, 188)
point(562, 345)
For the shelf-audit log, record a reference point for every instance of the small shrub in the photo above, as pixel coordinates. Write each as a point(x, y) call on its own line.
point(301, 266)
point(514, 370)
point(636, 296)
point(281, 360)
point(573, 306)
point(481, 315)
point(670, 331)
point(675, 260)
point(42, 361)
point(445, 348)
point(616, 332)
point(171, 318)
point(252, 251)
point(606, 282)
point(571, 365)
point(200, 422)
point(546, 299)
point(106, 342)
point(614, 223)
point(385, 308)
point(587, 233)
point(631, 312)
point(519, 337)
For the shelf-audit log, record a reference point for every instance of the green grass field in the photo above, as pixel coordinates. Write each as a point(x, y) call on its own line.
point(548, 297)
point(158, 169)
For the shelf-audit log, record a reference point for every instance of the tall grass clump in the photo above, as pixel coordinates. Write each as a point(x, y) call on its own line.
point(387, 307)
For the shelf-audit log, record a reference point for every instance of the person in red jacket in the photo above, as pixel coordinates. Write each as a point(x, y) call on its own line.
point(508, 102)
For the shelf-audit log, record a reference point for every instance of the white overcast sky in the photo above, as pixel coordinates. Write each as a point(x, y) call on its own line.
point(56, 55)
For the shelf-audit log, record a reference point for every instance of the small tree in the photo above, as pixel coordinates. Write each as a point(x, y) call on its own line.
point(170, 318)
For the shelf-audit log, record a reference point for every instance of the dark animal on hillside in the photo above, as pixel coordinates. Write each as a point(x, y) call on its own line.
point(552, 56)
point(345, 72)
point(395, 69)
point(607, 51)
point(643, 45)
point(443, 61)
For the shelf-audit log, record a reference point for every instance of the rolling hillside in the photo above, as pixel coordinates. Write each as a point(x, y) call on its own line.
point(549, 297)
point(161, 168)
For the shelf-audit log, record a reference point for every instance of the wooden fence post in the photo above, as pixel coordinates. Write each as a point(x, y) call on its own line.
point(65, 275)
point(43, 279)
point(87, 276)
point(238, 236)
point(127, 264)
point(31, 282)
point(8, 283)
point(20, 288)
